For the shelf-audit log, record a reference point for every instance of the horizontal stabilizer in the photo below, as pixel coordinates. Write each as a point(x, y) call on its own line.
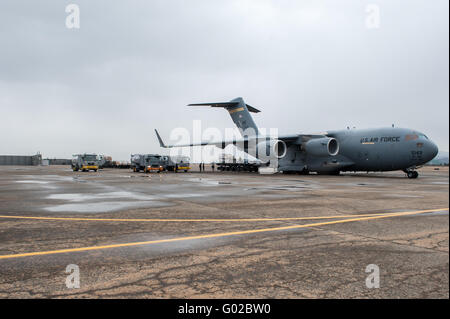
point(239, 112)
point(252, 109)
point(219, 104)
point(226, 105)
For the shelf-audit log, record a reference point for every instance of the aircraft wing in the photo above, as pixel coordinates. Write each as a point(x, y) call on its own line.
point(288, 139)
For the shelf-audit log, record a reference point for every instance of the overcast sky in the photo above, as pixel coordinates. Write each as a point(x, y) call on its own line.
point(132, 66)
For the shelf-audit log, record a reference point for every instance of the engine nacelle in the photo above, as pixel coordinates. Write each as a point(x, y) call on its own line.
point(271, 149)
point(326, 146)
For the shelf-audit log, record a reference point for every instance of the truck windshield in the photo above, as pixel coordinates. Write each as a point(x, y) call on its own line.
point(89, 157)
point(154, 159)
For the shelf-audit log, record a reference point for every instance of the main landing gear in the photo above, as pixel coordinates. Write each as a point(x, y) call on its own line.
point(411, 174)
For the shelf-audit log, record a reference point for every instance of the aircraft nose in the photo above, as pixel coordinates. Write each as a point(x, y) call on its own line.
point(432, 150)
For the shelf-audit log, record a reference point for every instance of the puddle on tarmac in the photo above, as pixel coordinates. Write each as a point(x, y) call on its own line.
point(102, 207)
point(49, 178)
point(358, 184)
point(95, 203)
point(113, 195)
point(281, 188)
point(32, 182)
point(208, 182)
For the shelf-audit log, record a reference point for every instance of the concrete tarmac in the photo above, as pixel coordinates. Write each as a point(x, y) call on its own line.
point(222, 235)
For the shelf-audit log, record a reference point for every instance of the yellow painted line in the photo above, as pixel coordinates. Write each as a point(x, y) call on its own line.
point(207, 236)
point(236, 110)
point(189, 220)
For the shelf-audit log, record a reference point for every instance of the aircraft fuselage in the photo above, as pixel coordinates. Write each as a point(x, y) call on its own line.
point(383, 149)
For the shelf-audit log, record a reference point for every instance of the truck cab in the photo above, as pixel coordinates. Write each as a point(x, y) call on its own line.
point(146, 163)
point(85, 162)
point(154, 163)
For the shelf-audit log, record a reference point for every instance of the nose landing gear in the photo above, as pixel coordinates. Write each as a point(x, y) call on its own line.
point(411, 174)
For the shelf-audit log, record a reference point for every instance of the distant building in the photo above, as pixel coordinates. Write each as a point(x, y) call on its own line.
point(32, 160)
point(58, 161)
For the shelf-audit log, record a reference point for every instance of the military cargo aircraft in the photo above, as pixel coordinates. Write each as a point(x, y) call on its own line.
point(332, 152)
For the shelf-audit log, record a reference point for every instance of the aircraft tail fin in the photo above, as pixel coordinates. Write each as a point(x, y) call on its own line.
point(240, 114)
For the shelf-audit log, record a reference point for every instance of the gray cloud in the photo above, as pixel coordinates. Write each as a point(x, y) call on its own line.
point(133, 66)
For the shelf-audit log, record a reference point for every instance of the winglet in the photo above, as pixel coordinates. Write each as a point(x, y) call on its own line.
point(161, 143)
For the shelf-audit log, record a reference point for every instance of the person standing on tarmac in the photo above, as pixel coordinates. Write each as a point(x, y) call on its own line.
point(176, 168)
point(212, 166)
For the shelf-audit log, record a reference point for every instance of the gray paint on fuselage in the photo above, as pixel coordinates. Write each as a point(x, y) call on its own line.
point(385, 149)
point(382, 149)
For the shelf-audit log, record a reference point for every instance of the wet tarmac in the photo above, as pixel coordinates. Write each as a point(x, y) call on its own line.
point(222, 256)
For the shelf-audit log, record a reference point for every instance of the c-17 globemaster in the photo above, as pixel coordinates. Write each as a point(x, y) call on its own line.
point(332, 152)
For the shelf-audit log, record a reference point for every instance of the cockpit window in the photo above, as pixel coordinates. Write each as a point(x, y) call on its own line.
point(423, 135)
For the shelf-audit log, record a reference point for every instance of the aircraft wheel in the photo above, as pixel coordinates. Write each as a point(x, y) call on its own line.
point(412, 174)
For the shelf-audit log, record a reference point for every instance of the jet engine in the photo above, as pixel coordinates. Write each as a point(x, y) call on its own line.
point(271, 148)
point(325, 146)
